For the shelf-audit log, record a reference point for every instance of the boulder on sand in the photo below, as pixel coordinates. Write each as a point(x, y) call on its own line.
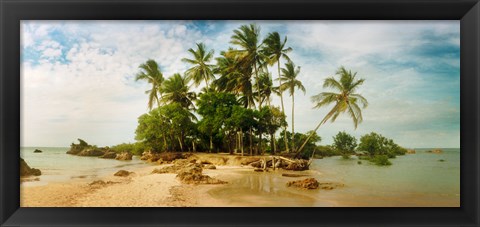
point(122, 173)
point(309, 183)
point(193, 175)
point(25, 170)
point(124, 156)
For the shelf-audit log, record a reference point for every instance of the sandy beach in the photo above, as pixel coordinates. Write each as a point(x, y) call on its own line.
point(141, 189)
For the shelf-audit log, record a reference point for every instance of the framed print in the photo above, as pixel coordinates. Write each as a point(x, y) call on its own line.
point(240, 113)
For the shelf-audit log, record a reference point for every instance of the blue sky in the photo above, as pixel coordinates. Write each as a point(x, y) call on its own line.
point(78, 76)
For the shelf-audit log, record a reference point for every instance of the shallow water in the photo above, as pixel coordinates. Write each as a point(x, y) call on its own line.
point(57, 166)
point(412, 180)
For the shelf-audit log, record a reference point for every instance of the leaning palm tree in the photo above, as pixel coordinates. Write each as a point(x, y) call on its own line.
point(177, 90)
point(247, 38)
point(274, 49)
point(201, 70)
point(346, 100)
point(150, 72)
point(289, 82)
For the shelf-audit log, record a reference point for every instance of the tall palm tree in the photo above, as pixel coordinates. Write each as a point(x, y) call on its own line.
point(150, 72)
point(247, 38)
point(201, 70)
point(266, 88)
point(289, 82)
point(177, 90)
point(234, 79)
point(346, 100)
point(274, 49)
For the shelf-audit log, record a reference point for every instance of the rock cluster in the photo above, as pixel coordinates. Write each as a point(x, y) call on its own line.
point(435, 151)
point(25, 170)
point(189, 173)
point(309, 183)
point(163, 158)
point(85, 149)
point(312, 183)
point(37, 151)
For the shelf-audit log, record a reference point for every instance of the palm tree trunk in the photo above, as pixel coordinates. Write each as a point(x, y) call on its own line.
point(250, 136)
point(293, 122)
point(206, 82)
point(180, 142)
point(316, 128)
point(211, 144)
point(283, 107)
point(241, 141)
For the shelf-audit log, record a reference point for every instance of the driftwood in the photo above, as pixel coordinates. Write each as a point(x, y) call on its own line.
point(280, 162)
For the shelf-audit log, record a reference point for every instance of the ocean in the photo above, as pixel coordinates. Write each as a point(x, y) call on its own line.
point(57, 166)
point(413, 180)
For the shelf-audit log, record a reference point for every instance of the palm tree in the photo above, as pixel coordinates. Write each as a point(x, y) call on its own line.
point(274, 49)
point(152, 74)
point(346, 100)
point(289, 82)
point(247, 38)
point(234, 78)
point(201, 70)
point(177, 90)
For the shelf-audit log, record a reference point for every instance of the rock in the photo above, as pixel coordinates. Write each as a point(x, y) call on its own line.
point(37, 151)
point(91, 152)
point(441, 160)
point(77, 148)
point(124, 156)
point(410, 151)
point(122, 173)
point(435, 151)
point(210, 167)
point(109, 155)
point(293, 175)
point(25, 170)
point(193, 175)
point(309, 183)
point(330, 185)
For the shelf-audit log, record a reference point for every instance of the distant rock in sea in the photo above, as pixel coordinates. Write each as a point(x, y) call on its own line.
point(37, 151)
point(25, 170)
point(411, 151)
point(435, 151)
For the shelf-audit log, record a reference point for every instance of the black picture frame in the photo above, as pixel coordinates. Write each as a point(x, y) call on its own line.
point(13, 11)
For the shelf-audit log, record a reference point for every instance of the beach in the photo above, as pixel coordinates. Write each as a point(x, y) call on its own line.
point(365, 185)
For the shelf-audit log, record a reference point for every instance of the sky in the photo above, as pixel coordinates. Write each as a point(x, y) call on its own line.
point(77, 77)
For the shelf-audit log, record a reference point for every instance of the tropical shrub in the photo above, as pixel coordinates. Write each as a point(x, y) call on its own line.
point(345, 144)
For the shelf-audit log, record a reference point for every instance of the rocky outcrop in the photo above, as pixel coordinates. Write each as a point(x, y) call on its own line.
point(109, 155)
point(122, 173)
point(165, 157)
point(209, 166)
point(411, 151)
point(91, 152)
point(309, 183)
point(124, 156)
point(435, 151)
point(37, 151)
point(193, 175)
point(25, 170)
point(77, 148)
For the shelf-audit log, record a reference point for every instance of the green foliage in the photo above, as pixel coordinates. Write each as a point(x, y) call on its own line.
point(381, 160)
point(309, 147)
point(345, 144)
point(166, 127)
point(326, 151)
point(379, 147)
point(134, 148)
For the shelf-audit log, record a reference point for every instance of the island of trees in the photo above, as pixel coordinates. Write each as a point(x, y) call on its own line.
point(232, 112)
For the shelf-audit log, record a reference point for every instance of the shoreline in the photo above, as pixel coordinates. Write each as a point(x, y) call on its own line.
point(245, 188)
